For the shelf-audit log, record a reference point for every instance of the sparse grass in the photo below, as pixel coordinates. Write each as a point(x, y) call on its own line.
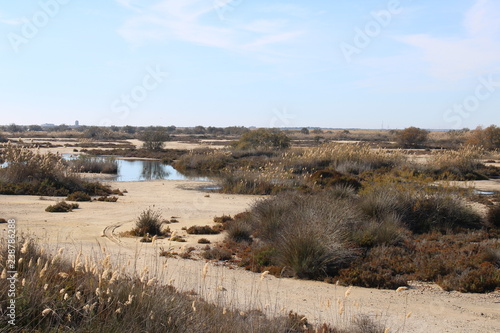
point(90, 295)
point(61, 207)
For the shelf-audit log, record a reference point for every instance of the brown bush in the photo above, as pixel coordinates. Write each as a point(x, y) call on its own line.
point(488, 138)
point(411, 137)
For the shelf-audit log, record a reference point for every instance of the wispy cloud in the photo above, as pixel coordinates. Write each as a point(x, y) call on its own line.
point(12, 21)
point(195, 21)
point(471, 54)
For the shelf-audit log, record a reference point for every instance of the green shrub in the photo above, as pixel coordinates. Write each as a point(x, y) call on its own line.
point(79, 196)
point(61, 207)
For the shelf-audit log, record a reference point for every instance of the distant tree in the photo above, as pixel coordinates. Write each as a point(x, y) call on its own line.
point(488, 138)
point(171, 129)
point(129, 129)
point(154, 139)
point(317, 131)
point(215, 130)
point(199, 130)
point(411, 136)
point(98, 133)
point(13, 128)
point(235, 130)
point(61, 128)
point(304, 131)
point(114, 128)
point(262, 139)
point(35, 128)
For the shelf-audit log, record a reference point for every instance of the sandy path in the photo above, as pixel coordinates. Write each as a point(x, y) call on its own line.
point(97, 225)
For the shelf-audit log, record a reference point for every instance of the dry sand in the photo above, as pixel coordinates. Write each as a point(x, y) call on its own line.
point(97, 225)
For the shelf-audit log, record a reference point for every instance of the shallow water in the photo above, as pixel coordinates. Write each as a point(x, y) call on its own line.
point(130, 170)
point(142, 170)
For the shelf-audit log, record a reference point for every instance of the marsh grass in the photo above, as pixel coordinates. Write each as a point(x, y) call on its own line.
point(91, 295)
point(462, 163)
point(89, 164)
point(31, 173)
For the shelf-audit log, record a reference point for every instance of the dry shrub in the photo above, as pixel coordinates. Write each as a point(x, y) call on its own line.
point(422, 207)
point(223, 219)
point(79, 196)
point(332, 178)
point(411, 137)
point(203, 241)
point(202, 230)
point(308, 231)
point(61, 207)
point(149, 223)
point(387, 230)
point(217, 253)
point(107, 199)
point(382, 267)
point(488, 138)
point(239, 231)
point(493, 216)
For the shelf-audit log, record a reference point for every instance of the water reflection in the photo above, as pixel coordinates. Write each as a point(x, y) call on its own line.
point(153, 171)
point(143, 170)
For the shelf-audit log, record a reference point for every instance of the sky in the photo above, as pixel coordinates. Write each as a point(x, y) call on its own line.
point(337, 64)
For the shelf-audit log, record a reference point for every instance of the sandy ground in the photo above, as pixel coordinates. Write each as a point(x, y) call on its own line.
point(97, 225)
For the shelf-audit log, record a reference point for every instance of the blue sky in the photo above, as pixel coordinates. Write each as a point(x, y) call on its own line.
point(346, 64)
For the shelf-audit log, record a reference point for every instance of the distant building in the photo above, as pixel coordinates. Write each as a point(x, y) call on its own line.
point(48, 125)
point(77, 123)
